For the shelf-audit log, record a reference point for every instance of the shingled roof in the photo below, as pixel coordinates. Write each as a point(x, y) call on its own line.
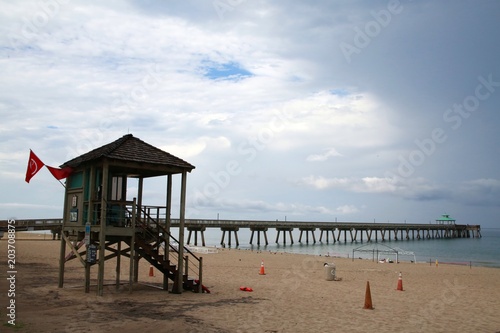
point(129, 148)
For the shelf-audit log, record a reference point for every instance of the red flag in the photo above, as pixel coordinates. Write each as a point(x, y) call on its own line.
point(34, 165)
point(60, 173)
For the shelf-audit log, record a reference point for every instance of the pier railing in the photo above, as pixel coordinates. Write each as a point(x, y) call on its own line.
point(330, 231)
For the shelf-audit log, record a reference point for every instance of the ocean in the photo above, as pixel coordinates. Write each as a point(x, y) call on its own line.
point(484, 251)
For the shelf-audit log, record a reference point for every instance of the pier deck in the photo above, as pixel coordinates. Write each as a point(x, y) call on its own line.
point(339, 231)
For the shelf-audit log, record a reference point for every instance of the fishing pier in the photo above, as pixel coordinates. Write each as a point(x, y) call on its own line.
point(329, 232)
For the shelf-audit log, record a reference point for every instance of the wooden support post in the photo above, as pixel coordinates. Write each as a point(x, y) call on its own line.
point(131, 277)
point(179, 278)
point(102, 233)
point(251, 238)
point(136, 266)
point(277, 236)
point(118, 259)
point(291, 236)
point(87, 277)
point(62, 260)
point(168, 211)
point(200, 275)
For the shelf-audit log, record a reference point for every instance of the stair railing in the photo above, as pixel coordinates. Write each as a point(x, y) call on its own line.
point(153, 229)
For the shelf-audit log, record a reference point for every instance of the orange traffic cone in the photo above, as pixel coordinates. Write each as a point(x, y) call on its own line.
point(151, 271)
point(368, 297)
point(400, 283)
point(262, 271)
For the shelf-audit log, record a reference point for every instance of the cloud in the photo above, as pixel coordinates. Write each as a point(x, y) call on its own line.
point(347, 209)
point(479, 192)
point(330, 152)
point(409, 188)
point(201, 202)
point(189, 149)
point(266, 85)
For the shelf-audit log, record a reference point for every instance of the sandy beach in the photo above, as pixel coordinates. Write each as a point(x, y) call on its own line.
point(293, 296)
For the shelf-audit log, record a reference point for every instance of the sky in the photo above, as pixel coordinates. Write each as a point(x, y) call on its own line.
point(384, 111)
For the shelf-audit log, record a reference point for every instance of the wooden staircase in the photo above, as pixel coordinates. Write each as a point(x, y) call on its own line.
point(150, 240)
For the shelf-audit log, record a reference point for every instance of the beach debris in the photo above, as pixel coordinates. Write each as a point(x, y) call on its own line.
point(246, 289)
point(262, 270)
point(203, 288)
point(330, 271)
point(400, 282)
point(368, 297)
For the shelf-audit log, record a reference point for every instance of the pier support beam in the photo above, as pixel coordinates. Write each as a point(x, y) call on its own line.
point(259, 230)
point(284, 230)
point(307, 230)
point(327, 231)
point(229, 229)
point(196, 229)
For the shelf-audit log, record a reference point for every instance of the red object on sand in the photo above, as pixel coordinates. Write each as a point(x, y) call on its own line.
point(400, 283)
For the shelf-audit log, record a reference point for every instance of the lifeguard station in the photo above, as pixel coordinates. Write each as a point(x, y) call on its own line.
point(99, 223)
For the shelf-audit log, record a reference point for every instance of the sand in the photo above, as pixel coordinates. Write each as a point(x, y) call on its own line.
point(293, 296)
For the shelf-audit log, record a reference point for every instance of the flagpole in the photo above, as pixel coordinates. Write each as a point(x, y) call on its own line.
point(61, 183)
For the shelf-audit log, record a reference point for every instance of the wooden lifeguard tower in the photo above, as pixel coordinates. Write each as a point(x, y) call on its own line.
point(99, 223)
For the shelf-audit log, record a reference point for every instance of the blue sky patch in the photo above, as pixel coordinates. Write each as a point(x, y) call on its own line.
point(227, 71)
point(339, 92)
